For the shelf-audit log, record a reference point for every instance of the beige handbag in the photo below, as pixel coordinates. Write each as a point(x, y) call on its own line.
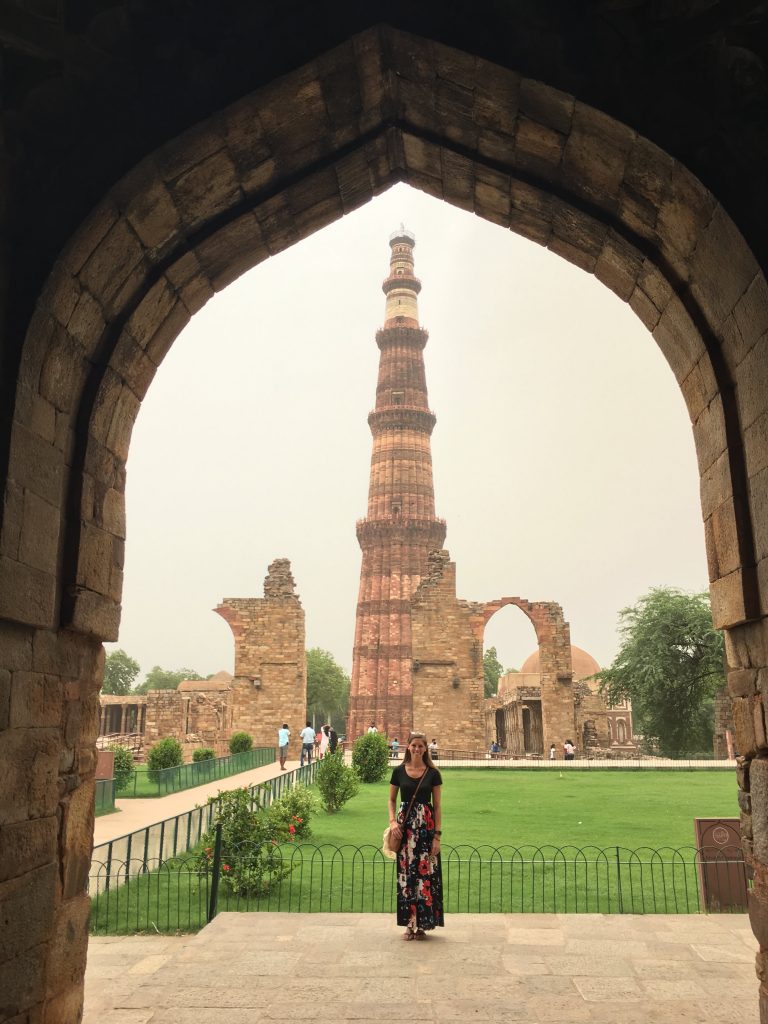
point(390, 846)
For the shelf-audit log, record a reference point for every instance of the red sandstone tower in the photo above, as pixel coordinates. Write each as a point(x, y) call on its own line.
point(401, 527)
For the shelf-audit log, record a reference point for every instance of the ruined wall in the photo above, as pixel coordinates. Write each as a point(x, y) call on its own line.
point(723, 723)
point(447, 660)
point(270, 685)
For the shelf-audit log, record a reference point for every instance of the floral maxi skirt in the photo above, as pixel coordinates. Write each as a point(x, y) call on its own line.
point(419, 877)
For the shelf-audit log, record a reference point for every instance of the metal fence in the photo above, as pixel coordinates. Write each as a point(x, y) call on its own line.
point(105, 796)
point(126, 856)
point(145, 782)
point(183, 894)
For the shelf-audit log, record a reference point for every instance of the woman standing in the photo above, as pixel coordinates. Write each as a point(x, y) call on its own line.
point(325, 739)
point(417, 826)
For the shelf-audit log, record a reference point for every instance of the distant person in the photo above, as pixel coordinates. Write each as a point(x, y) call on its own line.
point(394, 746)
point(283, 739)
point(433, 753)
point(333, 739)
point(495, 749)
point(372, 727)
point(307, 743)
point(569, 751)
point(325, 739)
point(552, 753)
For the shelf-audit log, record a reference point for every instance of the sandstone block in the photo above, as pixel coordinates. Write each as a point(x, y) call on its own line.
point(22, 982)
point(148, 207)
point(16, 645)
point(36, 700)
point(718, 284)
point(538, 146)
point(36, 465)
point(596, 153)
point(29, 787)
point(77, 839)
point(26, 910)
point(68, 944)
point(86, 325)
point(29, 844)
point(39, 543)
point(678, 339)
point(95, 559)
point(112, 264)
point(758, 783)
point(546, 105)
point(756, 445)
point(683, 214)
point(208, 189)
point(26, 594)
point(742, 682)
point(709, 434)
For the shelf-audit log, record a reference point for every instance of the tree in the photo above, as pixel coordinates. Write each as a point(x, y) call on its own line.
point(492, 670)
point(669, 666)
point(327, 687)
point(120, 671)
point(165, 679)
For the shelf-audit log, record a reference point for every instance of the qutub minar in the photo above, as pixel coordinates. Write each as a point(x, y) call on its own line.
point(401, 528)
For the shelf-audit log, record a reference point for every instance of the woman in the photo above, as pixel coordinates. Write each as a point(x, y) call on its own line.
point(419, 878)
point(325, 739)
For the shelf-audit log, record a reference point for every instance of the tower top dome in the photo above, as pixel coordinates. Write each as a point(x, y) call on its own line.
point(402, 235)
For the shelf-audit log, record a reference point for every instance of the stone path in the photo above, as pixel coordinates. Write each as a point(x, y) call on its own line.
point(494, 969)
point(135, 814)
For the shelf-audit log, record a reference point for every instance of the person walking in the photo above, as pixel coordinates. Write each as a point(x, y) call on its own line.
point(372, 727)
point(283, 739)
point(552, 753)
point(325, 739)
point(417, 827)
point(433, 749)
point(569, 751)
point(307, 743)
point(333, 740)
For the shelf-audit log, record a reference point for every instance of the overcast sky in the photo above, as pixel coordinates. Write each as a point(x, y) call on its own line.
point(563, 454)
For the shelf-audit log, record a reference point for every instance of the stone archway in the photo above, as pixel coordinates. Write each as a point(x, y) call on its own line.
point(251, 180)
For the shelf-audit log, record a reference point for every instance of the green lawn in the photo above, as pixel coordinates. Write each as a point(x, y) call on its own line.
point(518, 808)
point(495, 812)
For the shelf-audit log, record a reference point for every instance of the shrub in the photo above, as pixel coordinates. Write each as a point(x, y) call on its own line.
point(239, 742)
point(336, 781)
point(123, 770)
point(294, 810)
point(166, 753)
point(203, 754)
point(370, 757)
point(250, 859)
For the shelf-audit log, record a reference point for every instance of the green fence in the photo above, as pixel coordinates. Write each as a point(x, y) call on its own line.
point(105, 796)
point(146, 783)
point(182, 894)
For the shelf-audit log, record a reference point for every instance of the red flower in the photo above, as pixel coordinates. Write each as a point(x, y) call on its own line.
point(423, 867)
point(428, 898)
point(225, 867)
point(291, 829)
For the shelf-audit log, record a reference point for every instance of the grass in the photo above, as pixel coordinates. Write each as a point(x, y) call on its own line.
point(341, 868)
point(518, 808)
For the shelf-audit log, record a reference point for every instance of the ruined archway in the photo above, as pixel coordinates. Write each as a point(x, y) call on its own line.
point(246, 183)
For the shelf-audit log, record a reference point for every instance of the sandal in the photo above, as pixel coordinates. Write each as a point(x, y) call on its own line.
point(409, 935)
point(420, 934)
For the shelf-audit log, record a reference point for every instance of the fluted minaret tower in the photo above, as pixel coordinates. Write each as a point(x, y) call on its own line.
point(401, 527)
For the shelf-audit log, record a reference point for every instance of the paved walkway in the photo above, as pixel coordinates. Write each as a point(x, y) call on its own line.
point(135, 814)
point(533, 968)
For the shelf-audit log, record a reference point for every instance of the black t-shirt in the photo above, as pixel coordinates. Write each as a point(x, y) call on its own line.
point(408, 785)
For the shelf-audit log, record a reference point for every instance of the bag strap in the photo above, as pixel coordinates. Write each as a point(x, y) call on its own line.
point(410, 805)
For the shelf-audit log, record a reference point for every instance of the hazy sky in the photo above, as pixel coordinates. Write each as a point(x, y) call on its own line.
point(563, 455)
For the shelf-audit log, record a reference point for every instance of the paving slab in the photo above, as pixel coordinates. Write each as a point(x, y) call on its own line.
point(601, 970)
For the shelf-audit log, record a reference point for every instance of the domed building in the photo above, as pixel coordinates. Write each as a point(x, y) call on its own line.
point(514, 716)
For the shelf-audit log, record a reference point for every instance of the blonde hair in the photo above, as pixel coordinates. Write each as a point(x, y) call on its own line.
point(427, 759)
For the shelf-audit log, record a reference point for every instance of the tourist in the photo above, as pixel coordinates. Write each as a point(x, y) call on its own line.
point(552, 753)
point(495, 749)
point(283, 738)
point(307, 743)
point(372, 727)
point(417, 826)
point(333, 739)
point(325, 739)
point(394, 747)
point(433, 749)
point(569, 751)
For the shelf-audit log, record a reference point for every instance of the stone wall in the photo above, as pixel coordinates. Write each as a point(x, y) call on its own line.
point(447, 660)
point(270, 685)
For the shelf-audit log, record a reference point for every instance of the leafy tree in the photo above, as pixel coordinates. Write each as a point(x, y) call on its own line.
point(336, 781)
point(492, 671)
point(327, 687)
point(370, 756)
point(120, 671)
point(669, 665)
point(165, 679)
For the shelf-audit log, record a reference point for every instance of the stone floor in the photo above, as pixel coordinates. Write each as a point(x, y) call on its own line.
point(490, 968)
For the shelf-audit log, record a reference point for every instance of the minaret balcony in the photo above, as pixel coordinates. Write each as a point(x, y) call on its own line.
point(401, 417)
point(406, 337)
point(411, 284)
point(403, 529)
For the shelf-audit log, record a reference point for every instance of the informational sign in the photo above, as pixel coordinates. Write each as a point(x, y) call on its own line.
point(723, 876)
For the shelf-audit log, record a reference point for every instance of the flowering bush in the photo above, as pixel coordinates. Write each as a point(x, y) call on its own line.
point(294, 810)
point(250, 860)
